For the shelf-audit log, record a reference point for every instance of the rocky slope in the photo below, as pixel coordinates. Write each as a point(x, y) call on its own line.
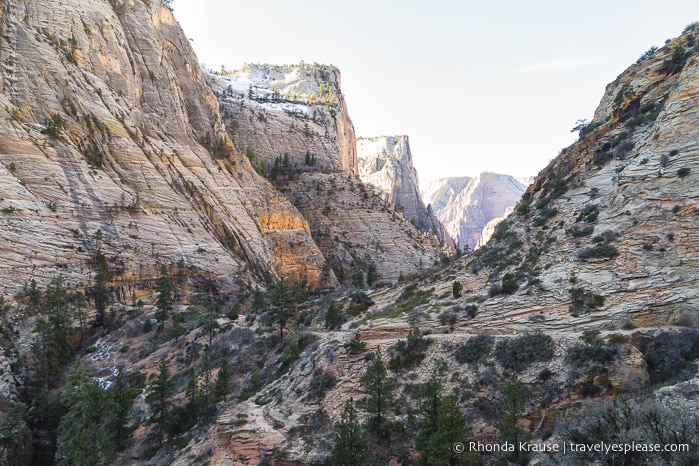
point(465, 205)
point(386, 165)
point(604, 240)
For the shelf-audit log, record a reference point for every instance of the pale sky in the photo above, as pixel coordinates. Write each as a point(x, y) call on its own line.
point(477, 86)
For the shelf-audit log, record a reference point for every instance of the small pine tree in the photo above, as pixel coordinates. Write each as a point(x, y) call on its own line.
point(281, 296)
point(158, 398)
point(513, 399)
point(205, 373)
point(451, 429)
point(223, 381)
point(121, 400)
point(333, 317)
point(372, 274)
point(80, 435)
point(429, 410)
point(164, 301)
point(351, 444)
point(379, 388)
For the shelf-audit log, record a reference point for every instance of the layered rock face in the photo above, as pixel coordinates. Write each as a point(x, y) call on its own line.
point(353, 226)
point(465, 205)
point(386, 165)
point(614, 214)
point(108, 126)
point(298, 111)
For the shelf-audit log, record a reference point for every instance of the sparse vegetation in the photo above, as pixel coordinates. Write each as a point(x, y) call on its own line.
point(475, 349)
point(584, 301)
point(516, 354)
point(410, 352)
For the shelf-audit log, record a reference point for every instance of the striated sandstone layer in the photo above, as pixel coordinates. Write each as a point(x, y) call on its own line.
point(108, 125)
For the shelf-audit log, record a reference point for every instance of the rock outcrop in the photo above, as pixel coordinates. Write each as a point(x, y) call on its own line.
point(292, 111)
point(299, 112)
point(465, 205)
point(112, 139)
point(356, 228)
point(386, 165)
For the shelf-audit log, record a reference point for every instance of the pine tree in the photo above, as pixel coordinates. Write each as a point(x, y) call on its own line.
point(379, 388)
point(205, 373)
point(158, 398)
point(281, 297)
point(513, 399)
point(81, 437)
point(223, 381)
point(429, 410)
point(164, 301)
point(451, 429)
point(53, 348)
point(351, 444)
point(15, 436)
point(121, 401)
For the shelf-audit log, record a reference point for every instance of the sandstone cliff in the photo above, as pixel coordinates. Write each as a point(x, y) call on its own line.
point(296, 111)
point(465, 205)
point(386, 165)
point(108, 125)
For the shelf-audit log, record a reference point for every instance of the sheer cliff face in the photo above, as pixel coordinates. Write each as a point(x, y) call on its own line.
point(109, 126)
point(386, 165)
point(293, 110)
point(465, 205)
point(298, 111)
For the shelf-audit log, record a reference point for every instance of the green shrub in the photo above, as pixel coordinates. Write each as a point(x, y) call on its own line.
point(509, 284)
point(682, 172)
point(321, 382)
point(582, 355)
point(54, 125)
point(578, 231)
point(584, 301)
point(518, 353)
point(671, 356)
point(599, 250)
point(355, 345)
point(544, 215)
point(474, 350)
point(589, 214)
point(409, 352)
point(523, 208)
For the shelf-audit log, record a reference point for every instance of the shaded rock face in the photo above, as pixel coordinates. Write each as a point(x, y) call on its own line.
point(465, 205)
point(386, 164)
point(109, 126)
point(352, 226)
point(293, 110)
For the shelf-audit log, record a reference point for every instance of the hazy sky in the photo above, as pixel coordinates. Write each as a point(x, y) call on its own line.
point(478, 86)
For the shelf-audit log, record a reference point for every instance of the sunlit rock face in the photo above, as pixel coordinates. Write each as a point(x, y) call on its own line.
point(112, 139)
point(465, 205)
